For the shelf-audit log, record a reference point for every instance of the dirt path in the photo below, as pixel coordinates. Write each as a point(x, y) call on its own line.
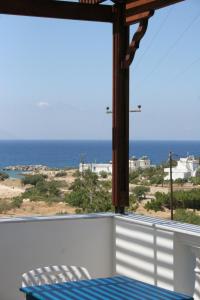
point(10, 191)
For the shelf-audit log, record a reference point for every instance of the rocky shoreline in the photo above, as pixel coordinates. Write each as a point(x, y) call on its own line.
point(26, 168)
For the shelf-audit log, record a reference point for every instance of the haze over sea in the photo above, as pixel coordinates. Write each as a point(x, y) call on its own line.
point(68, 153)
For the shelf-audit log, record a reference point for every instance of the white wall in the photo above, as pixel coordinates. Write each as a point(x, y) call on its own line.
point(184, 264)
point(96, 168)
point(147, 253)
point(144, 253)
point(149, 249)
point(26, 245)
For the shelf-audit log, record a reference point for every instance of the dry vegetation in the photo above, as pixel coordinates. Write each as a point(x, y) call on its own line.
point(11, 188)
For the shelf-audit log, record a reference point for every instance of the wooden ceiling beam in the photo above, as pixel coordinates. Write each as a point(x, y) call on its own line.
point(58, 9)
point(141, 6)
point(133, 19)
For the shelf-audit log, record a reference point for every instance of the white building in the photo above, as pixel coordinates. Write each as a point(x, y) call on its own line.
point(143, 163)
point(134, 164)
point(96, 168)
point(186, 167)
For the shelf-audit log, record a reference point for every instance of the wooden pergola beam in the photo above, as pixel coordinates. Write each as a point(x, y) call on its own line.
point(57, 9)
point(136, 18)
point(140, 6)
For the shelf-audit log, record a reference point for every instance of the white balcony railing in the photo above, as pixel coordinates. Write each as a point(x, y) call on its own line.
point(156, 251)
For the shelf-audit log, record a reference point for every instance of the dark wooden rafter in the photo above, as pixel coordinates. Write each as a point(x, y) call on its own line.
point(140, 6)
point(57, 9)
point(133, 19)
point(135, 43)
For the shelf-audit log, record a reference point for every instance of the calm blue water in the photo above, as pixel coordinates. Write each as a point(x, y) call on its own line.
point(69, 153)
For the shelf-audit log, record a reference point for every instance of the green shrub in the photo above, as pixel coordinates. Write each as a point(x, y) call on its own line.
point(134, 176)
point(156, 205)
point(140, 191)
point(3, 176)
point(77, 173)
point(61, 174)
point(195, 180)
point(156, 179)
point(187, 199)
point(103, 174)
point(53, 189)
point(89, 193)
point(144, 182)
point(33, 179)
point(4, 206)
point(181, 181)
point(61, 213)
point(161, 200)
point(16, 202)
point(79, 211)
point(44, 191)
point(133, 204)
point(186, 216)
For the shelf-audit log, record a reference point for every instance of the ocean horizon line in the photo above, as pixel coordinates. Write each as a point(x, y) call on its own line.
point(98, 140)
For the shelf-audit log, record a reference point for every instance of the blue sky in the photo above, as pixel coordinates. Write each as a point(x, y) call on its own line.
point(56, 77)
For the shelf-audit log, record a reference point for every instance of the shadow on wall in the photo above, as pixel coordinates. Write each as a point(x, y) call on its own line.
point(153, 256)
point(184, 261)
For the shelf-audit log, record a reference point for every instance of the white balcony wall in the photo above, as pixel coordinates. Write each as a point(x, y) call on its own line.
point(154, 251)
point(159, 252)
point(24, 245)
point(144, 253)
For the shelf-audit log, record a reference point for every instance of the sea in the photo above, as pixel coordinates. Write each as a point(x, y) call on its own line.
point(69, 153)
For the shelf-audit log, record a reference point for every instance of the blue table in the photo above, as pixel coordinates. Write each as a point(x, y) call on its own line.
point(112, 288)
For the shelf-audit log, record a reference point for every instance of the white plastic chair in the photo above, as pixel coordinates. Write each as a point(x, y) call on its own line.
point(54, 274)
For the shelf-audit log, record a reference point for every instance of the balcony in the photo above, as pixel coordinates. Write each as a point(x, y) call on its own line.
point(159, 252)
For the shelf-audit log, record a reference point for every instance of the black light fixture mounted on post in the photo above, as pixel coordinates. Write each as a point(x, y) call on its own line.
point(138, 109)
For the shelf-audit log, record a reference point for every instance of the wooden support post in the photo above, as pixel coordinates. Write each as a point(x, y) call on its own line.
point(120, 147)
